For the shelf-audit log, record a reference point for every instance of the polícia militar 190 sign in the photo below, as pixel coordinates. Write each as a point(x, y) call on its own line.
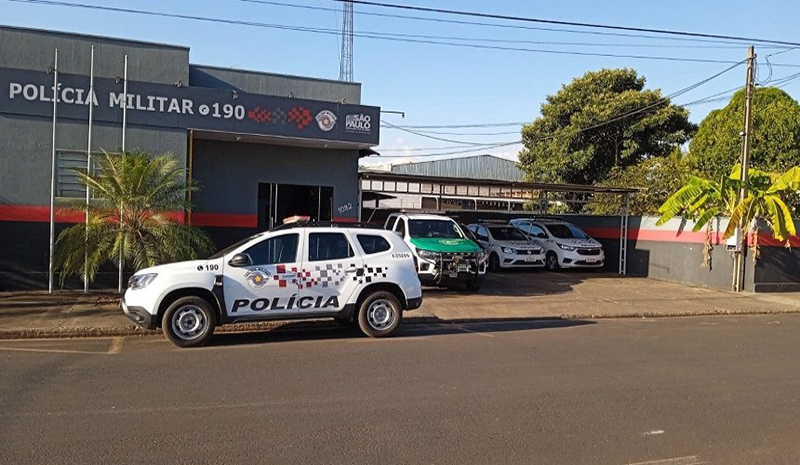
point(30, 93)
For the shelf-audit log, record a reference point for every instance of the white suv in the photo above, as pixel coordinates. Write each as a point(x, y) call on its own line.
point(303, 270)
point(446, 255)
point(508, 247)
point(566, 245)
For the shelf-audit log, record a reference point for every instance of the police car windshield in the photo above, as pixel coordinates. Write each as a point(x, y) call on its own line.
point(506, 233)
point(566, 231)
point(229, 248)
point(439, 229)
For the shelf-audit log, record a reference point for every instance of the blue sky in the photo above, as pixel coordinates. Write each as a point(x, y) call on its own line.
point(444, 85)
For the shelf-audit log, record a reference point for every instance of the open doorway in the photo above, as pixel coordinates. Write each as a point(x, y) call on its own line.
point(279, 201)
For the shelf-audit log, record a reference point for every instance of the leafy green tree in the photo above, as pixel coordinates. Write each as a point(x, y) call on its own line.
point(656, 177)
point(702, 200)
point(774, 139)
point(601, 121)
point(134, 217)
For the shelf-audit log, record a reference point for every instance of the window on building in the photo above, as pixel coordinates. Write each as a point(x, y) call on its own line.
point(279, 249)
point(328, 246)
point(373, 244)
point(67, 183)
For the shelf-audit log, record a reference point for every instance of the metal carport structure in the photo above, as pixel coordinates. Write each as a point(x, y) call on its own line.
point(379, 185)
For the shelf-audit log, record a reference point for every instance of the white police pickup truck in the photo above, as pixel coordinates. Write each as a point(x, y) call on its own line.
point(353, 273)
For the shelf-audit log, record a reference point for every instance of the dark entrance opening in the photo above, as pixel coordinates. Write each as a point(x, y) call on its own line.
point(279, 201)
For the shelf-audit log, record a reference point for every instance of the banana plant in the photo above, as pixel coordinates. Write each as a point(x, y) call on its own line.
point(703, 200)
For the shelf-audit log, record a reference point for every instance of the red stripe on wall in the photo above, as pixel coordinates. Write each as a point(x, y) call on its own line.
point(344, 219)
point(38, 214)
point(768, 240)
point(229, 220)
point(666, 235)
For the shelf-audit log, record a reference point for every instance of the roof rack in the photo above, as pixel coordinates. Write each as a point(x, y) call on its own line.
point(493, 221)
point(325, 224)
point(541, 217)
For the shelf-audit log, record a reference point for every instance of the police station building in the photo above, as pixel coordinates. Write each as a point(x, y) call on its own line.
point(261, 146)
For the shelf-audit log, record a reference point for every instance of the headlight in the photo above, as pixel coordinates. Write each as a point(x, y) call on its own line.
point(140, 281)
point(428, 254)
point(568, 248)
point(508, 250)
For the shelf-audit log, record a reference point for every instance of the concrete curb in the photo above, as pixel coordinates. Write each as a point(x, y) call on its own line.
point(117, 331)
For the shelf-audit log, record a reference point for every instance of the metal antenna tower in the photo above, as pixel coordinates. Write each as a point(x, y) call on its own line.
point(346, 56)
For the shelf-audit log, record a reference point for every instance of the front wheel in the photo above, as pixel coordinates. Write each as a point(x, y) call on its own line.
point(189, 322)
point(379, 314)
point(552, 262)
point(494, 262)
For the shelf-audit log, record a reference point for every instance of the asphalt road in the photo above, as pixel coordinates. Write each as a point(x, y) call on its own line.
point(660, 391)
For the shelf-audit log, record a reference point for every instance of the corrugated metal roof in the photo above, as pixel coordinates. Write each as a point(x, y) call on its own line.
point(477, 167)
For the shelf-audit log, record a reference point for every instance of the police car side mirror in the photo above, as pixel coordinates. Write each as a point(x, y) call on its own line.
point(240, 260)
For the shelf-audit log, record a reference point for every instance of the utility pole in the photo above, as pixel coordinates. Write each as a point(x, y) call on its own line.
point(741, 230)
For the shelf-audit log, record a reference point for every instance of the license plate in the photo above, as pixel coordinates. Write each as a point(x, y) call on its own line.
point(591, 260)
point(530, 259)
point(463, 268)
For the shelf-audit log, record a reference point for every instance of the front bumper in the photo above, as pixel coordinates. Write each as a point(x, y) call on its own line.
point(451, 268)
point(139, 315)
point(521, 260)
point(576, 260)
point(446, 279)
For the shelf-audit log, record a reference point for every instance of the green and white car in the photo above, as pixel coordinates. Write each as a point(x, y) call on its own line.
point(445, 255)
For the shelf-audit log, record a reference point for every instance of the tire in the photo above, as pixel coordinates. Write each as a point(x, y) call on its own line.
point(473, 286)
point(551, 261)
point(494, 262)
point(379, 314)
point(189, 322)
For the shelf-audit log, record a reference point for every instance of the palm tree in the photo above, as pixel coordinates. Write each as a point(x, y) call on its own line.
point(135, 214)
point(702, 200)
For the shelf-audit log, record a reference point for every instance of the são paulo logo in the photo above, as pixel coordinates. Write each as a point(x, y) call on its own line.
point(257, 277)
point(326, 120)
point(358, 123)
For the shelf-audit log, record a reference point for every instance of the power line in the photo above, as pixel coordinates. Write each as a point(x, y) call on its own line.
point(566, 23)
point(481, 134)
point(374, 35)
point(458, 126)
point(420, 134)
point(496, 25)
point(733, 45)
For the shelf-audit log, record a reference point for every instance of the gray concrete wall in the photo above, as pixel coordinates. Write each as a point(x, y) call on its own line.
point(33, 49)
point(229, 174)
point(275, 84)
point(25, 155)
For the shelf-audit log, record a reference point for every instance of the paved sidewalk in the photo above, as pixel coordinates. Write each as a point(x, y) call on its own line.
point(510, 295)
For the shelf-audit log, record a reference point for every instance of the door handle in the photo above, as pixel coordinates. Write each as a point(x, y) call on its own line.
point(289, 275)
point(350, 270)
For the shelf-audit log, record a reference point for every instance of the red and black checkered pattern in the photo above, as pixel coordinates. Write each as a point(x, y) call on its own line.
point(260, 115)
point(301, 116)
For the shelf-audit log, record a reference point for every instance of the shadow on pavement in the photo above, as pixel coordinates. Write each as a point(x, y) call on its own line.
point(305, 331)
point(522, 282)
